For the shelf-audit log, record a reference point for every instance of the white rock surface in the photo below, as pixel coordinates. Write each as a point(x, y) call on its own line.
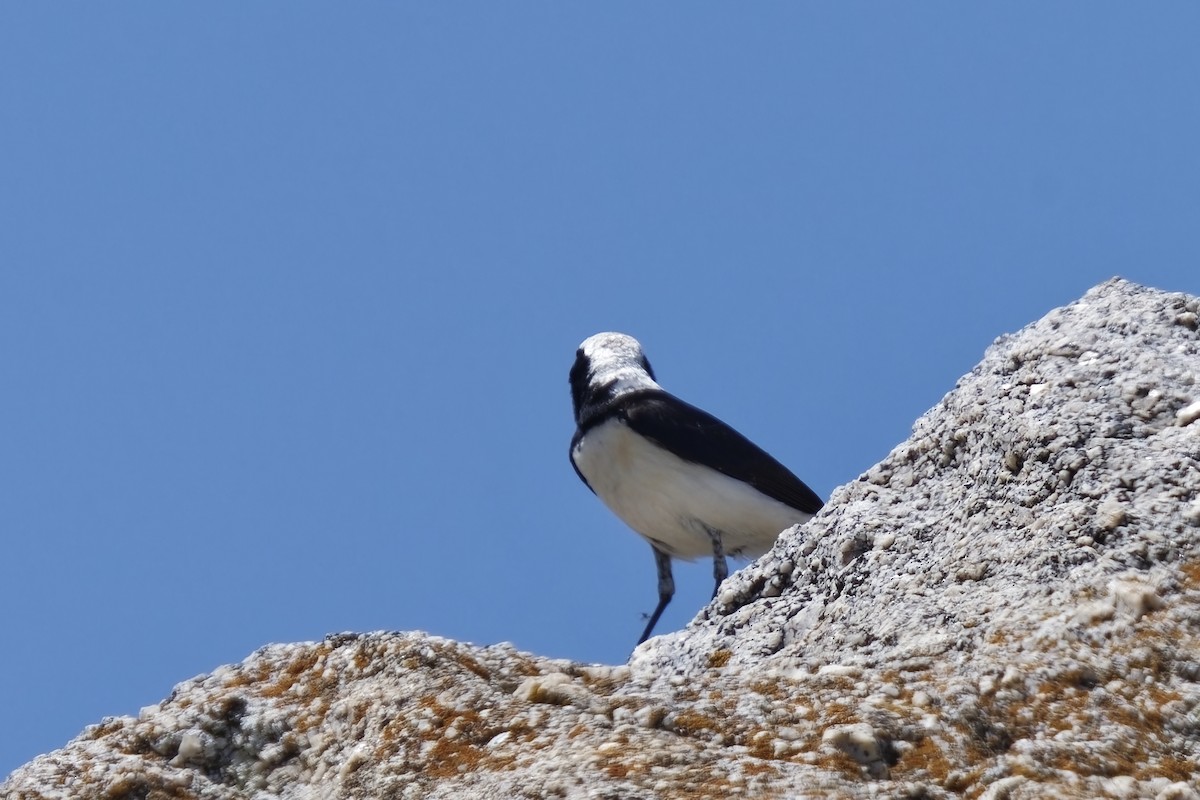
point(1007, 606)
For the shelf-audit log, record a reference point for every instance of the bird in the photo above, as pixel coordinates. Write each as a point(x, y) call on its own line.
point(689, 484)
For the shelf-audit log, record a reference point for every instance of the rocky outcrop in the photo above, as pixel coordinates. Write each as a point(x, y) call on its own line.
point(1007, 606)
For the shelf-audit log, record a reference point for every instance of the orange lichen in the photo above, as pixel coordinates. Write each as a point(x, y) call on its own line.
point(719, 658)
point(925, 759)
point(298, 668)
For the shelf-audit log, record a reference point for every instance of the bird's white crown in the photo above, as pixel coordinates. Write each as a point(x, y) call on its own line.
point(616, 360)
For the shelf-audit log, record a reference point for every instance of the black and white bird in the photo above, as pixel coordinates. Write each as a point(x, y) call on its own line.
point(687, 482)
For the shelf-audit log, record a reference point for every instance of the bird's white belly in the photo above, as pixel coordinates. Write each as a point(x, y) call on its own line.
point(673, 502)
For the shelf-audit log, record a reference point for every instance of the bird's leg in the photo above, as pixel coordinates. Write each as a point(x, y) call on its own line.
point(666, 589)
point(720, 568)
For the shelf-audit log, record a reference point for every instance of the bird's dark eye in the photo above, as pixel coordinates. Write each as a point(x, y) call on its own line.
point(579, 369)
point(648, 368)
point(579, 378)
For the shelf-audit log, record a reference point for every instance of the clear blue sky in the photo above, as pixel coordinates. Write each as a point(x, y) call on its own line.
point(289, 291)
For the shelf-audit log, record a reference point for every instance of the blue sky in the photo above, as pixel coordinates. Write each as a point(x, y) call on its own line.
point(289, 291)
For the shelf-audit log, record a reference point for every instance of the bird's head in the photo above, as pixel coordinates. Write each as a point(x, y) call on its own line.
point(607, 366)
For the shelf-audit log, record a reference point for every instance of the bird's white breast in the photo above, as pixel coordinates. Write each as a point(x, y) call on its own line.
point(671, 501)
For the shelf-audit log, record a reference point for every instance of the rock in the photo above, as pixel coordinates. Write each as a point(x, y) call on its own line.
point(1007, 606)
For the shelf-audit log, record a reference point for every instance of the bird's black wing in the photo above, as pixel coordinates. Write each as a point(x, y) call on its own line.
point(697, 436)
